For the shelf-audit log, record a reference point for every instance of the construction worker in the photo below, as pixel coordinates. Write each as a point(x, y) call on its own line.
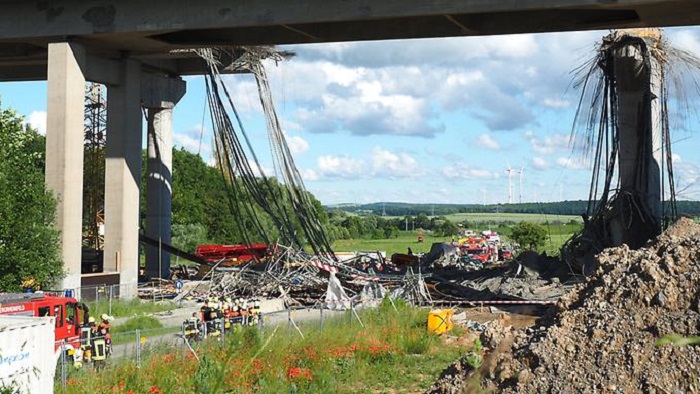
point(205, 310)
point(244, 311)
point(256, 312)
point(103, 331)
point(99, 355)
point(87, 332)
point(192, 325)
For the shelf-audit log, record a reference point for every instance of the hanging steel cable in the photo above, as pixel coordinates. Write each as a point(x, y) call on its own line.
point(240, 165)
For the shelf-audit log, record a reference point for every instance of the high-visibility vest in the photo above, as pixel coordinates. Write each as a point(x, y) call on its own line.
point(99, 349)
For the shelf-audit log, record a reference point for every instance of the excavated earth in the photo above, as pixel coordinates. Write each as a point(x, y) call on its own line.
point(602, 336)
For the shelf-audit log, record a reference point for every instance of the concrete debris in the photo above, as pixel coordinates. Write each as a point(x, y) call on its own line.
point(475, 326)
point(602, 335)
point(303, 279)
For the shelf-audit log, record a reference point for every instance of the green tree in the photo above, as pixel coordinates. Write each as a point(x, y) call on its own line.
point(187, 236)
point(529, 235)
point(447, 228)
point(29, 242)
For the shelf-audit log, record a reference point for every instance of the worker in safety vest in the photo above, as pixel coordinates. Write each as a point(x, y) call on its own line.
point(192, 326)
point(255, 311)
point(99, 353)
point(87, 332)
point(103, 330)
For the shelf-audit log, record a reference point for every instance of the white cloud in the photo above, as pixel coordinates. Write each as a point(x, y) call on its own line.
point(365, 108)
point(556, 103)
point(381, 163)
point(464, 171)
point(499, 80)
point(37, 120)
point(687, 40)
point(340, 167)
point(262, 169)
point(539, 164)
point(297, 145)
point(487, 142)
point(193, 140)
point(394, 165)
point(687, 176)
point(309, 175)
point(546, 144)
point(571, 163)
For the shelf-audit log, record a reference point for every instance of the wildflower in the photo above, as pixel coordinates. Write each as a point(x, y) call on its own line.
point(296, 373)
point(155, 390)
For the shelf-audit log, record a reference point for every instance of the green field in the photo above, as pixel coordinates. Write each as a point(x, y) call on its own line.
point(490, 217)
point(406, 239)
point(557, 234)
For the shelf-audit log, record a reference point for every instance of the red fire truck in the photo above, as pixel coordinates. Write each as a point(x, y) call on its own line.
point(69, 313)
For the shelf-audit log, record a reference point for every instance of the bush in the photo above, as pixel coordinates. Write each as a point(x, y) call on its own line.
point(529, 235)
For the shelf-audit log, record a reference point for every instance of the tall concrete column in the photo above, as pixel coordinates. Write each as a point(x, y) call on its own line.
point(159, 189)
point(123, 176)
point(160, 95)
point(64, 151)
point(638, 79)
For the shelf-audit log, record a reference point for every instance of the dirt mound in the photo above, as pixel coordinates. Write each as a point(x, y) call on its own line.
point(601, 338)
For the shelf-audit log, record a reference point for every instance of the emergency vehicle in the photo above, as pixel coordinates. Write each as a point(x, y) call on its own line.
point(71, 316)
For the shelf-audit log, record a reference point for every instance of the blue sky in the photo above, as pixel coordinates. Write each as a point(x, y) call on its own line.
point(428, 121)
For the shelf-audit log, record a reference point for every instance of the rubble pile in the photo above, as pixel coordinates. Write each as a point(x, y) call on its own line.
point(601, 337)
point(522, 284)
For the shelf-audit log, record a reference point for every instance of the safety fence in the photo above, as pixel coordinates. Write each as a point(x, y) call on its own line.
point(101, 292)
point(138, 345)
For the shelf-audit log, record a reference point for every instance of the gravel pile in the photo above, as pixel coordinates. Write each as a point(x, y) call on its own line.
point(601, 337)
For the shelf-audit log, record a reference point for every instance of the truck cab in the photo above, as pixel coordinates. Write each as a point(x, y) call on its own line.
point(69, 313)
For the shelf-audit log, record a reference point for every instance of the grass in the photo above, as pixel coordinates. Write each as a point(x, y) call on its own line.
point(128, 308)
point(496, 218)
point(392, 353)
point(137, 323)
point(406, 239)
point(125, 337)
point(558, 231)
point(149, 326)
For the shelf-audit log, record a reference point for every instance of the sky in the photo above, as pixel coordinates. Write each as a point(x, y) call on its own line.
point(421, 121)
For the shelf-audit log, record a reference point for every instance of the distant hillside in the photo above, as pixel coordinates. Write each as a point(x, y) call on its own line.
point(691, 208)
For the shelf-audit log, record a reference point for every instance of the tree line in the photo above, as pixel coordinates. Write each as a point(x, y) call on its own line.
point(576, 207)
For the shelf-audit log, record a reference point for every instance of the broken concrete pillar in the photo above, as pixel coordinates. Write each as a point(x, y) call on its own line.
point(64, 151)
point(160, 95)
point(638, 83)
point(123, 177)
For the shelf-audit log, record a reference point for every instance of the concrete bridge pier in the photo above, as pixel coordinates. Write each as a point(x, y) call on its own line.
point(123, 176)
point(64, 150)
point(160, 95)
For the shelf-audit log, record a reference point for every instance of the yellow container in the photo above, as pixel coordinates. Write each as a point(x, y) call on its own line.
point(440, 321)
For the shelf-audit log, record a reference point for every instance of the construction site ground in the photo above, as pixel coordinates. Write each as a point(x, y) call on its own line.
point(603, 336)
